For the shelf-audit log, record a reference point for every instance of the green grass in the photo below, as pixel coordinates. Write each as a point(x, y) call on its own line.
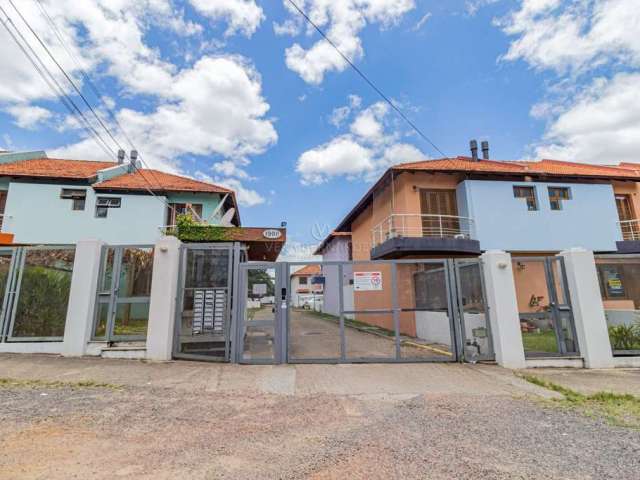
point(15, 383)
point(540, 342)
point(617, 409)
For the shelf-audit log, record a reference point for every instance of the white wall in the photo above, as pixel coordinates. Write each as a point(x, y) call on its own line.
point(503, 222)
point(337, 251)
point(35, 213)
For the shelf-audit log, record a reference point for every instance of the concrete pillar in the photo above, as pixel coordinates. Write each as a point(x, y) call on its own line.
point(164, 291)
point(503, 309)
point(588, 310)
point(82, 297)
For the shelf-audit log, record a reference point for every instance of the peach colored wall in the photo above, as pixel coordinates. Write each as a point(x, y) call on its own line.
point(406, 200)
point(619, 304)
point(530, 281)
point(629, 188)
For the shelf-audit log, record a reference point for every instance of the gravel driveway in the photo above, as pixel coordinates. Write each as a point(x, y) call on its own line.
point(168, 433)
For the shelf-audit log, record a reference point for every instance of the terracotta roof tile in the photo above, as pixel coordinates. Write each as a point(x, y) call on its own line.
point(54, 168)
point(158, 181)
point(307, 271)
point(543, 167)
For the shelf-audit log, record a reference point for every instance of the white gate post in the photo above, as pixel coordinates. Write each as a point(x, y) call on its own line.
point(588, 310)
point(503, 309)
point(164, 290)
point(82, 297)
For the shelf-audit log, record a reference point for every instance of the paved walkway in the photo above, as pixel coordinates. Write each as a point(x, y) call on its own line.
point(351, 379)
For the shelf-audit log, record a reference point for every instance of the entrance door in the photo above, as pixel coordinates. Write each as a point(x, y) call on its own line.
point(546, 318)
point(124, 291)
point(440, 213)
point(262, 309)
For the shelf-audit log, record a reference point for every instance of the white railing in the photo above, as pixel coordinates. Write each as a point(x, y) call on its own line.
point(417, 225)
point(630, 229)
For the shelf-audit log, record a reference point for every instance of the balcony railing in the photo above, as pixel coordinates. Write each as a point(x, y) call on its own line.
point(417, 225)
point(630, 229)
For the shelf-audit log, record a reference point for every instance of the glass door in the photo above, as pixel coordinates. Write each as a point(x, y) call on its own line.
point(546, 318)
point(124, 290)
point(263, 305)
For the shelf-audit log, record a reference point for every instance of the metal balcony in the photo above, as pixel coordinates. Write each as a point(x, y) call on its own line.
point(404, 234)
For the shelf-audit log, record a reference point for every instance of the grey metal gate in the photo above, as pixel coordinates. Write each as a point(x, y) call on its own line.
point(262, 310)
point(206, 300)
point(123, 294)
point(544, 304)
point(387, 311)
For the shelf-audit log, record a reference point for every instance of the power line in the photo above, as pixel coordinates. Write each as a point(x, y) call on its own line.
point(366, 79)
point(79, 92)
point(53, 84)
point(84, 73)
point(69, 79)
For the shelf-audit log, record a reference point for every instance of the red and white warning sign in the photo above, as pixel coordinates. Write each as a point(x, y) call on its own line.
point(367, 281)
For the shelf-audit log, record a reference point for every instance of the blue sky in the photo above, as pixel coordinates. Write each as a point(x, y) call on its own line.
point(241, 92)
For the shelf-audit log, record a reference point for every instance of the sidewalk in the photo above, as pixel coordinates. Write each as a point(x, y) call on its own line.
point(343, 380)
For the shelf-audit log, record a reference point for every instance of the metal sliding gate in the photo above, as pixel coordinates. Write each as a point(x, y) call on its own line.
point(356, 312)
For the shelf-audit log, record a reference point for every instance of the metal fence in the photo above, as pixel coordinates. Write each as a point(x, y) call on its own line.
point(36, 282)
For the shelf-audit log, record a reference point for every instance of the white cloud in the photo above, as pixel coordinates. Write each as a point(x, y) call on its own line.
point(472, 6)
point(341, 114)
point(233, 127)
point(295, 251)
point(246, 196)
point(594, 120)
point(343, 21)
point(343, 156)
point(230, 169)
point(421, 23)
point(574, 36)
point(601, 126)
point(242, 16)
point(361, 154)
point(368, 124)
point(28, 116)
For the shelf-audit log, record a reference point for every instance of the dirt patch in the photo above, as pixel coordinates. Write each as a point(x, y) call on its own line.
point(165, 433)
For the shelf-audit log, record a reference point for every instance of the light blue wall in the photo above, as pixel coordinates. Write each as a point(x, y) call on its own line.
point(35, 213)
point(501, 221)
point(209, 203)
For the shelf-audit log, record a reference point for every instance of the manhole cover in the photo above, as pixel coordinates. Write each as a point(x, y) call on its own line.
point(312, 333)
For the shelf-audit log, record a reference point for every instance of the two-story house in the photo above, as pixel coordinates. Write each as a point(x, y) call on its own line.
point(466, 205)
point(58, 201)
point(460, 207)
point(307, 287)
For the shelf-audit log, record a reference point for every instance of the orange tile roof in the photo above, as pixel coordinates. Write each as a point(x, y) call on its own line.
point(54, 168)
point(545, 168)
point(158, 181)
point(307, 271)
point(542, 167)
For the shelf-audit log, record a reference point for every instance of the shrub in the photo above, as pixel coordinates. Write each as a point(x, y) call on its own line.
point(625, 337)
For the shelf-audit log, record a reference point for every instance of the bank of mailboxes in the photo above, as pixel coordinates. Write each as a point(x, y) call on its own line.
point(209, 307)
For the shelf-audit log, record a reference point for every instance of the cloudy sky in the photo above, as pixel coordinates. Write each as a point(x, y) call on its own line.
point(246, 94)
